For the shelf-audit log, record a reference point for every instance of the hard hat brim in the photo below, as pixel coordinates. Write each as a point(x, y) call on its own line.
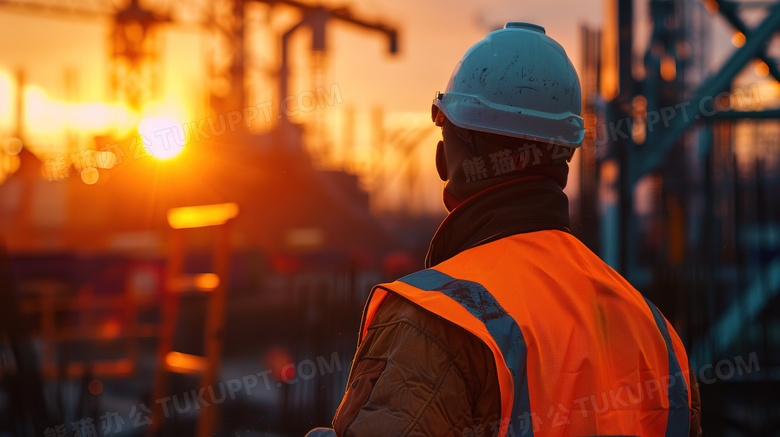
point(467, 111)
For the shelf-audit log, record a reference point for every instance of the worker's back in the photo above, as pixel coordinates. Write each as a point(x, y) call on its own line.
point(572, 348)
point(585, 354)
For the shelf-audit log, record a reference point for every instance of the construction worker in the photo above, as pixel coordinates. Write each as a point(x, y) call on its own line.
point(514, 328)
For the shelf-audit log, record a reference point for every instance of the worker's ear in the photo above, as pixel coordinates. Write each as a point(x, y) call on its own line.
point(437, 116)
point(441, 161)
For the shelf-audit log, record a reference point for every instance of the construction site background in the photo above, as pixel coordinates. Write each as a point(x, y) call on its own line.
point(196, 197)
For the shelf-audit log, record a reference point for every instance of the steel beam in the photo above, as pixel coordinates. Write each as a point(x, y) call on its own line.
point(728, 9)
point(654, 153)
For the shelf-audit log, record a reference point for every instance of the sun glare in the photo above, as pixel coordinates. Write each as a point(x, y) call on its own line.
point(163, 137)
point(49, 122)
point(6, 101)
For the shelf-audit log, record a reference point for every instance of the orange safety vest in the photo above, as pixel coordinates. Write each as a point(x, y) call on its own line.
point(578, 350)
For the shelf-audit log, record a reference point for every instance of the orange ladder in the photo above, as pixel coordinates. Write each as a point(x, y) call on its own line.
point(214, 285)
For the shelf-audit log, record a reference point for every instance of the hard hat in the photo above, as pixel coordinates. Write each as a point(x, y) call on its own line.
point(516, 82)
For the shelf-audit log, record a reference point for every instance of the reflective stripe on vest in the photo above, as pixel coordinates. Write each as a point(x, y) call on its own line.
point(679, 408)
point(578, 351)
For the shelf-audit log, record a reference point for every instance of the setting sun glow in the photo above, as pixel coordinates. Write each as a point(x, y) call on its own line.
point(163, 137)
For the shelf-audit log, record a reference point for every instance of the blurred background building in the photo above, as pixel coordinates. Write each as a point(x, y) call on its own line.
point(196, 196)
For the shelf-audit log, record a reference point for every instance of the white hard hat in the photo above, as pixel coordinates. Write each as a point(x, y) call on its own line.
point(516, 82)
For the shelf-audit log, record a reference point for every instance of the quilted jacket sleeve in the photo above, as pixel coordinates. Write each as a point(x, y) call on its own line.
point(416, 374)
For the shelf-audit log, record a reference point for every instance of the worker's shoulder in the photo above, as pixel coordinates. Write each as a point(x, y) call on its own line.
point(405, 330)
point(397, 310)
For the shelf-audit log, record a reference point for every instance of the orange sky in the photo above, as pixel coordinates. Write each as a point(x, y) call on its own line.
point(433, 36)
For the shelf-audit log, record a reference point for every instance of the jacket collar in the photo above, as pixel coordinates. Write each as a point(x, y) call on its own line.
point(515, 207)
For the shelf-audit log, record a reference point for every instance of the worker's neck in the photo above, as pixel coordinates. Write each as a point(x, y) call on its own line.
point(518, 206)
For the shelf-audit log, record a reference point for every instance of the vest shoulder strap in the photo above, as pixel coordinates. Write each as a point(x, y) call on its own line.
point(469, 305)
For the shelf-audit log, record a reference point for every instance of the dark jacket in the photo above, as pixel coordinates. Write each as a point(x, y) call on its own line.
point(417, 374)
